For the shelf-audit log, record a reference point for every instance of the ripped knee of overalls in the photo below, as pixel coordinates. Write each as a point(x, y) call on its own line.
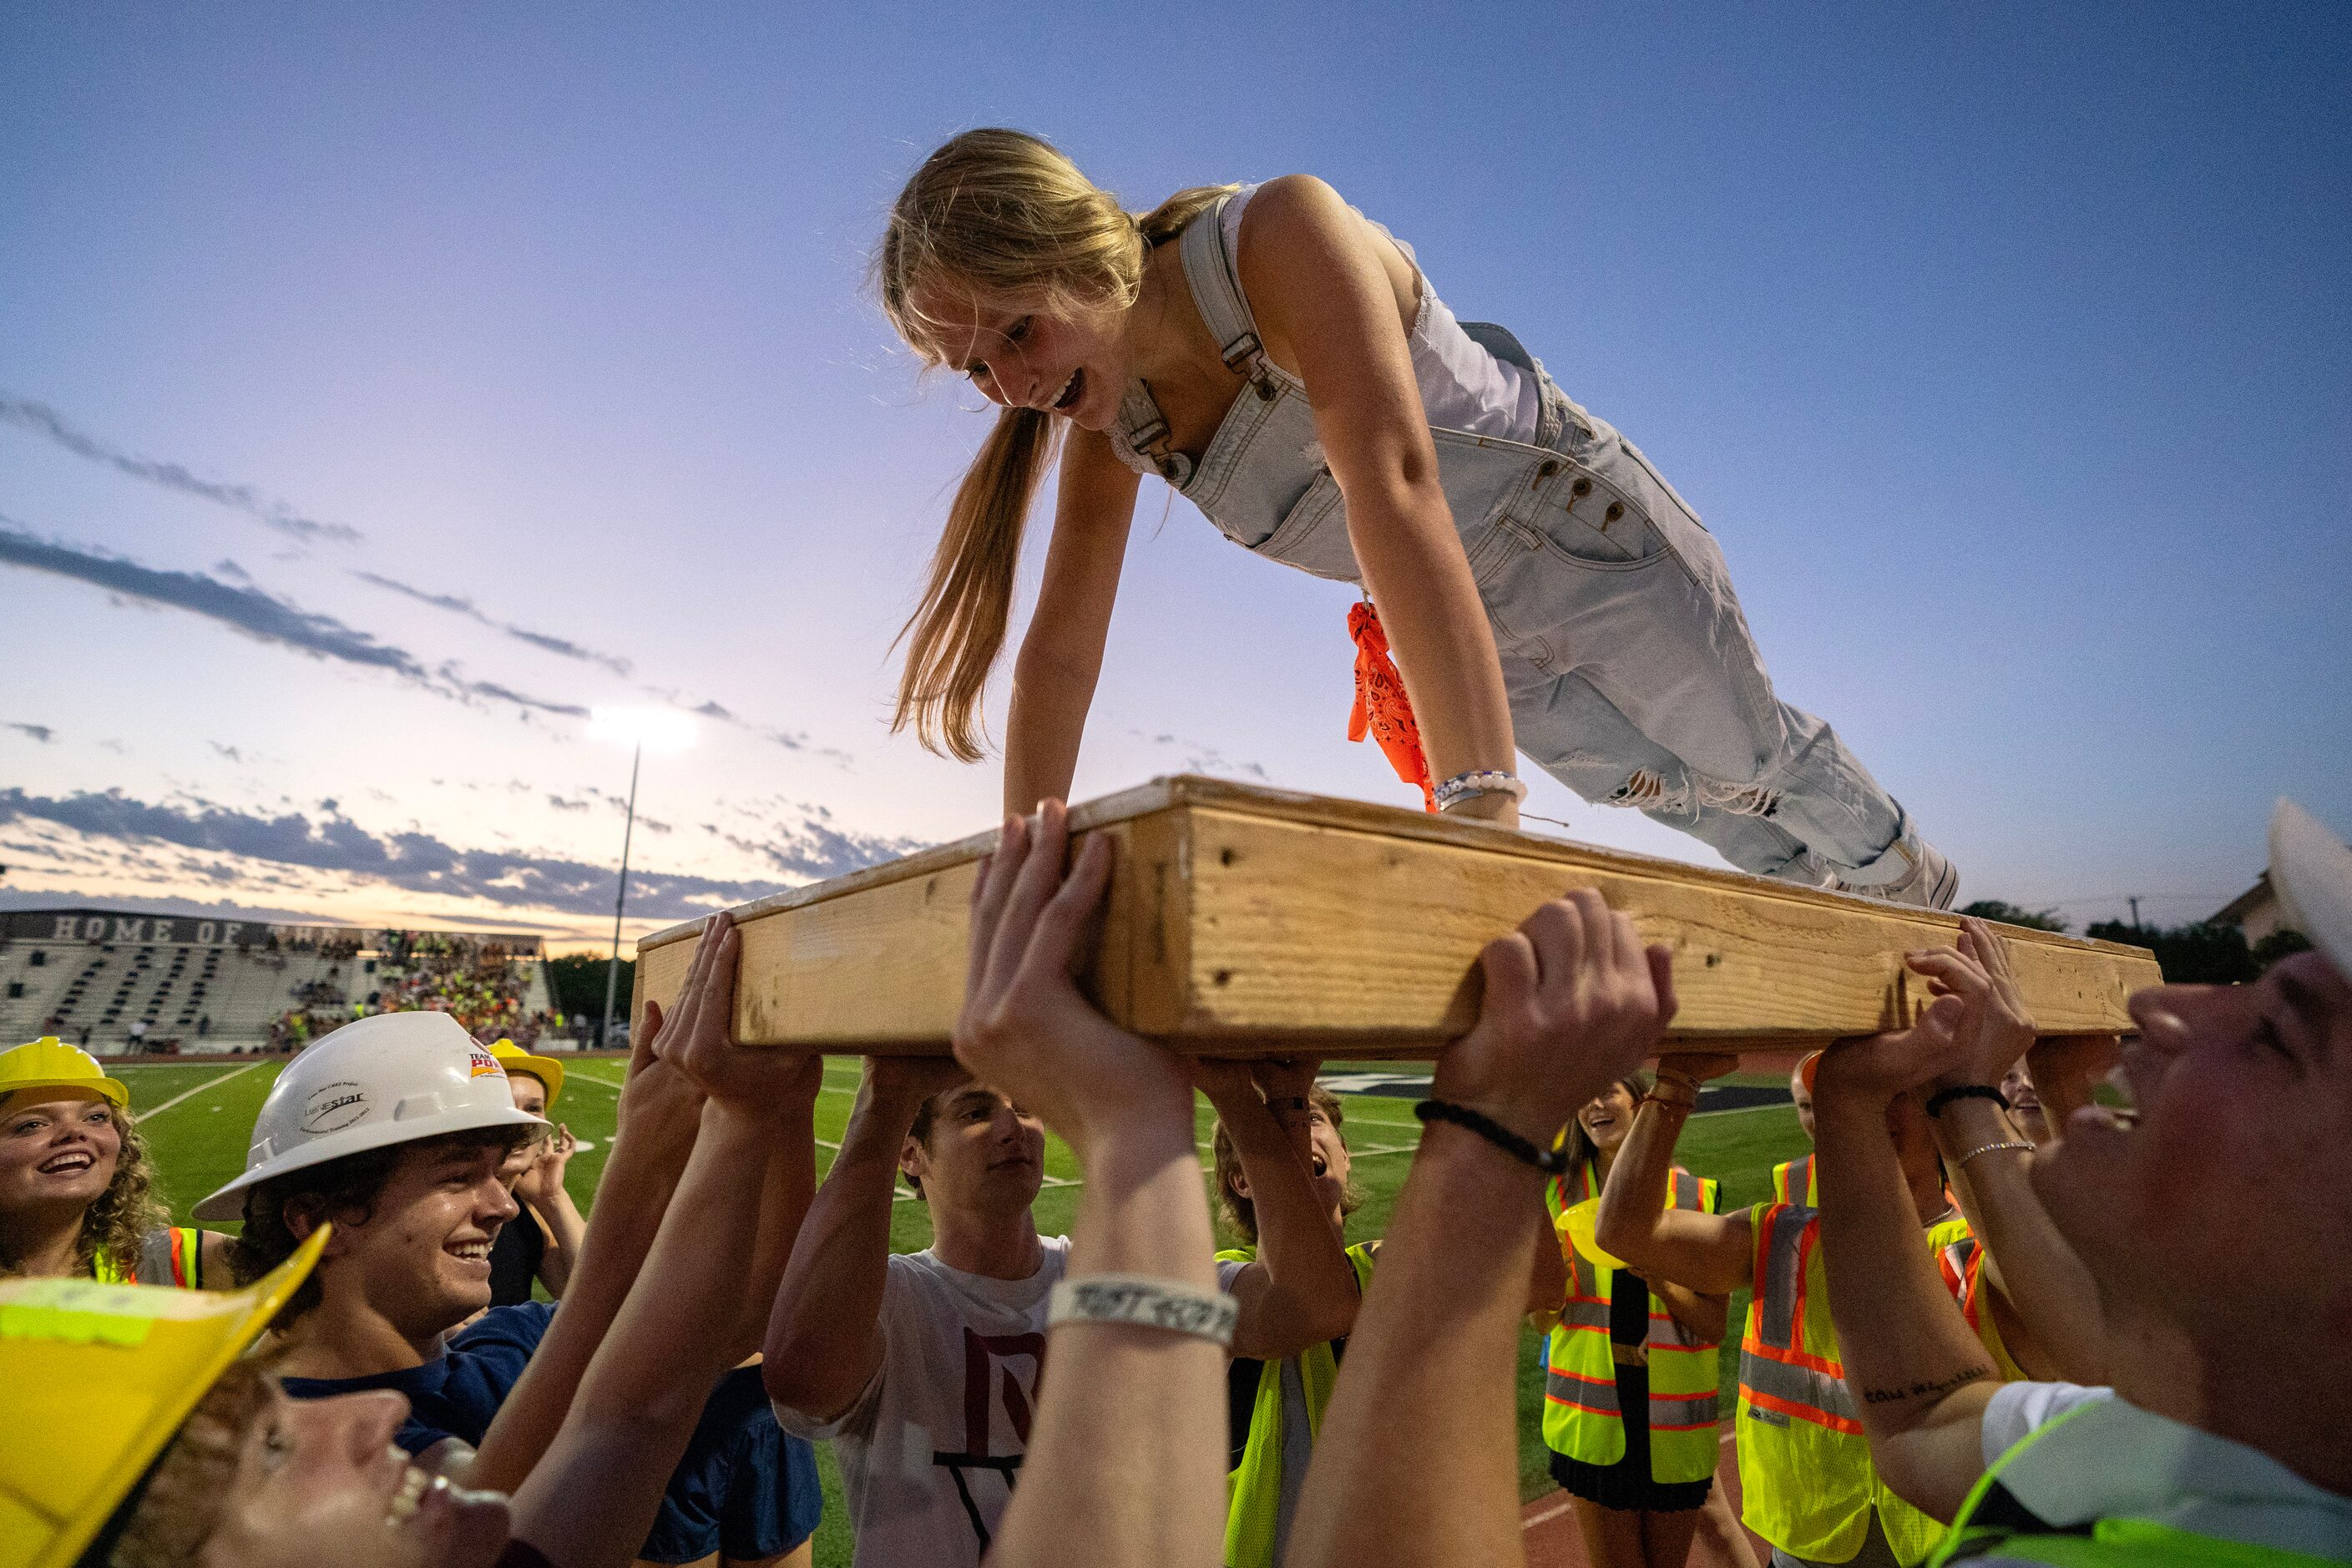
point(1647, 789)
point(1739, 799)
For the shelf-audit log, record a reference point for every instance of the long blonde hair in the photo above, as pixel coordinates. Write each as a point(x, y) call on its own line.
point(1006, 217)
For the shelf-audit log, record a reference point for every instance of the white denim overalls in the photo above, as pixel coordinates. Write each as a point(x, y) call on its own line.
point(1631, 675)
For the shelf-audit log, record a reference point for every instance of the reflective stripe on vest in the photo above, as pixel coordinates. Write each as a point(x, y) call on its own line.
point(1962, 1265)
point(169, 1255)
point(1787, 1177)
point(1258, 1486)
point(1808, 1485)
point(1583, 1414)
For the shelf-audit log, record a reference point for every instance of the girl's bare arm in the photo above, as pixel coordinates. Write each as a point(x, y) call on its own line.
point(1061, 655)
point(1319, 283)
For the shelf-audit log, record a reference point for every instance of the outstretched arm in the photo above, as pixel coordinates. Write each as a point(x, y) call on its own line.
point(1919, 1378)
point(1125, 1467)
point(1573, 1002)
point(591, 1501)
point(1301, 1291)
point(1061, 655)
point(2028, 1261)
point(1318, 277)
point(1711, 1254)
point(825, 1332)
point(660, 1110)
point(548, 1203)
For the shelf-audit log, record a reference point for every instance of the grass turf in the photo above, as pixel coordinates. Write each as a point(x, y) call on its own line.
point(198, 1118)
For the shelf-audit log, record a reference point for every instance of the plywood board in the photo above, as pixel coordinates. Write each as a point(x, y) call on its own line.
point(1243, 920)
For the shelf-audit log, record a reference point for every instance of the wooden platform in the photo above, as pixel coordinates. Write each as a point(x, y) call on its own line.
point(1248, 921)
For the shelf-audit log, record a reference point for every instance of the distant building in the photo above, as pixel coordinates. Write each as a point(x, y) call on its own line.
point(2256, 911)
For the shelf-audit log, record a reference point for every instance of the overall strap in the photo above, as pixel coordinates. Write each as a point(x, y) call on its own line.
point(1215, 278)
point(1146, 430)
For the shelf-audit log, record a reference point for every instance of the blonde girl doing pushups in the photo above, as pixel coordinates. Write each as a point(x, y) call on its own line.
point(1282, 362)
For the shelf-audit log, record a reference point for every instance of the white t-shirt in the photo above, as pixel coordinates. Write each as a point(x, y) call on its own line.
point(2018, 1410)
point(929, 1451)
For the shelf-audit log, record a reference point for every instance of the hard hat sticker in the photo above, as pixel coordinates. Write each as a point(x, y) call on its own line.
point(486, 1065)
point(82, 1311)
point(334, 1106)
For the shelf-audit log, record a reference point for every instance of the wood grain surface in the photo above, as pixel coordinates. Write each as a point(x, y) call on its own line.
point(1252, 921)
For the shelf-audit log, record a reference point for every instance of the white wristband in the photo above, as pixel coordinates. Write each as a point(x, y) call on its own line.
point(1168, 1304)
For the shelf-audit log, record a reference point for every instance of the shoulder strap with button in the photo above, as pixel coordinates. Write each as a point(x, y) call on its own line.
point(1215, 277)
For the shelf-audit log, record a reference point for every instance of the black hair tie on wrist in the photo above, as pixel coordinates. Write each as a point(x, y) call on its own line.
point(1549, 1161)
point(1944, 1096)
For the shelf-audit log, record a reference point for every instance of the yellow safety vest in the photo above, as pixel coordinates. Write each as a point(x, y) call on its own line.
point(1806, 1481)
point(180, 1252)
point(1962, 1263)
point(1794, 1182)
point(1581, 1418)
point(1255, 1487)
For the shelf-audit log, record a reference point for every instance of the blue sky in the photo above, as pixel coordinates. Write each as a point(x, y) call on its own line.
point(378, 389)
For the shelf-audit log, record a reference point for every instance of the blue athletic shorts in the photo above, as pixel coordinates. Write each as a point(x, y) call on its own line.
point(743, 1488)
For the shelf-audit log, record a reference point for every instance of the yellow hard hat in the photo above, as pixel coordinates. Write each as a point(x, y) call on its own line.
point(49, 1063)
point(1576, 1221)
point(100, 1378)
point(547, 1070)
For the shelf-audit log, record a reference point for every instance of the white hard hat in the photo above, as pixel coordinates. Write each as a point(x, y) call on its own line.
point(392, 1079)
point(2311, 871)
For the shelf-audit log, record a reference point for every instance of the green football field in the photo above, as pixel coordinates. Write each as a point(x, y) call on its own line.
point(198, 1118)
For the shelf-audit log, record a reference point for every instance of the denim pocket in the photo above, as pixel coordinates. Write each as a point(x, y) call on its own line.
point(1313, 534)
point(1585, 518)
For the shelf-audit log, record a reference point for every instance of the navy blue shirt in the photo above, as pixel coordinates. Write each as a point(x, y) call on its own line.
point(743, 1487)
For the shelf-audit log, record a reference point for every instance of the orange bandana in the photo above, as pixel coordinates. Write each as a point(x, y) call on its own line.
point(1381, 706)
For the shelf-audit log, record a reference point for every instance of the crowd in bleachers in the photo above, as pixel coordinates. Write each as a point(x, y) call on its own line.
point(2090, 1334)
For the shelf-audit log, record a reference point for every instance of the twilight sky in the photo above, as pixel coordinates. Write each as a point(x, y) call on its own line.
point(381, 387)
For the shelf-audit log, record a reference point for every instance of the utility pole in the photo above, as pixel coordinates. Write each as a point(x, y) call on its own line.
point(620, 901)
point(2133, 900)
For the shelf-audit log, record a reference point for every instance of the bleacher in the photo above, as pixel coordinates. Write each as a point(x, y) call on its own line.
point(88, 972)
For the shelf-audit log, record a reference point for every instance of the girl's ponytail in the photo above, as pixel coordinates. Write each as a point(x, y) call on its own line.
point(1004, 216)
point(954, 636)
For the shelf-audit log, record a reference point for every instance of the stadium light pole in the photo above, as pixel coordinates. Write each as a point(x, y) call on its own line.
point(664, 730)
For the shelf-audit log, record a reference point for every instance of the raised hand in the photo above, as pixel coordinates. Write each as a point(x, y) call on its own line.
point(1994, 1028)
point(1025, 1029)
point(545, 1178)
point(910, 1080)
point(1574, 1002)
point(1285, 1078)
point(700, 1041)
point(1878, 1067)
point(1696, 1068)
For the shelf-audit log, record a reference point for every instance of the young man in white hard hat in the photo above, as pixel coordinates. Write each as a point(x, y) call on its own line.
point(881, 1353)
point(132, 1435)
point(2212, 1231)
point(543, 1242)
point(77, 1194)
point(396, 1128)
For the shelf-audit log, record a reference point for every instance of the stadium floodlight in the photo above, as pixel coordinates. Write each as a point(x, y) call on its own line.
point(661, 730)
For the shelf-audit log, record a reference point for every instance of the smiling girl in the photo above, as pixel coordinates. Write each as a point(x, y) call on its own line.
point(1630, 1371)
point(75, 1187)
point(1283, 362)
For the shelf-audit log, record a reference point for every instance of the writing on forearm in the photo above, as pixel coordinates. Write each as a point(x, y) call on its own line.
point(1977, 1373)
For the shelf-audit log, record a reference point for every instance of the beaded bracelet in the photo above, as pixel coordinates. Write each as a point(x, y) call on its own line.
point(1551, 1161)
point(1484, 781)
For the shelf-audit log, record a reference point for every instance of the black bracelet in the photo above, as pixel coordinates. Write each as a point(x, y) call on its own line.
point(1548, 1161)
point(1944, 1096)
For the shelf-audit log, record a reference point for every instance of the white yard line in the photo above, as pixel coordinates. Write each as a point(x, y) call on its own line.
point(208, 1083)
